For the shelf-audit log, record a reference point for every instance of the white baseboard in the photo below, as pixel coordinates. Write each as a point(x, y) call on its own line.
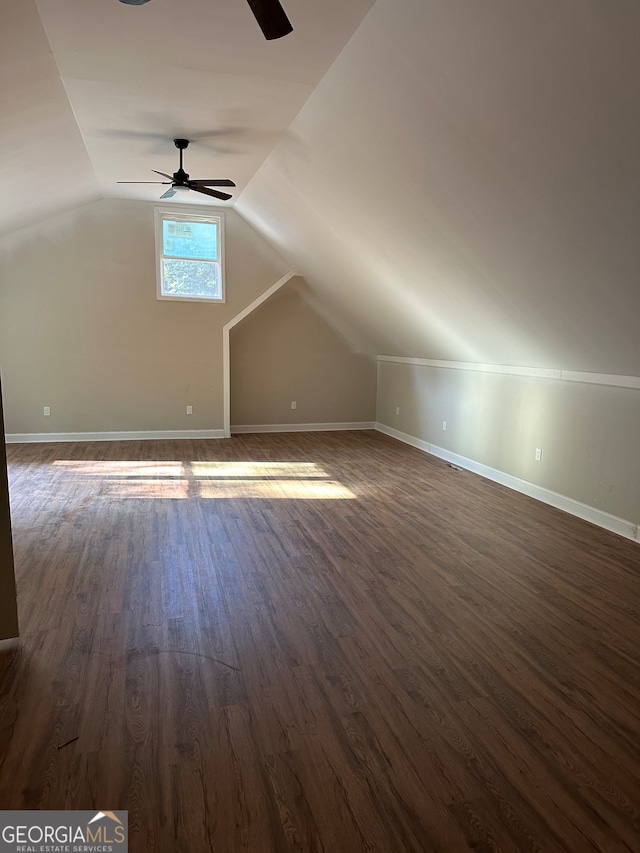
point(54, 437)
point(588, 513)
point(302, 427)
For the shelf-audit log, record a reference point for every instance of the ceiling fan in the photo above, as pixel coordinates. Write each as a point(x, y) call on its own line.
point(180, 180)
point(269, 14)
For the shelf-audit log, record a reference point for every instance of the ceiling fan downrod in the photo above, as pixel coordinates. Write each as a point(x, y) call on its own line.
point(181, 144)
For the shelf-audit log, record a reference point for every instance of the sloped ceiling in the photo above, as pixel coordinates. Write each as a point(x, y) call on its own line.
point(93, 92)
point(461, 183)
point(44, 166)
point(465, 183)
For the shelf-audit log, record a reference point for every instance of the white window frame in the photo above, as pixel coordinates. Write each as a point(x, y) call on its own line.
point(177, 215)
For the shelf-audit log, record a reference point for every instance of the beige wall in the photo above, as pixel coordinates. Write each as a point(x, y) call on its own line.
point(286, 351)
point(589, 434)
point(81, 329)
point(8, 611)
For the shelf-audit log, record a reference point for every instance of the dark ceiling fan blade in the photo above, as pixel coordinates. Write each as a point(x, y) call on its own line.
point(180, 179)
point(269, 14)
point(214, 193)
point(271, 18)
point(214, 182)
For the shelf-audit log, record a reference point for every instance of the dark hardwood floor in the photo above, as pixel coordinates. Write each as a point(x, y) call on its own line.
point(317, 642)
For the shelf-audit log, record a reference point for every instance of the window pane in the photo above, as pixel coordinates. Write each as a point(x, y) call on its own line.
point(190, 239)
point(198, 279)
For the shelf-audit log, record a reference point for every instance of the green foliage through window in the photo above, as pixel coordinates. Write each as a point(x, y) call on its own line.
point(190, 262)
point(190, 278)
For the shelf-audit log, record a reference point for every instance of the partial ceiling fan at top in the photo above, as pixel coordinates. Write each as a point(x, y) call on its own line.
point(269, 14)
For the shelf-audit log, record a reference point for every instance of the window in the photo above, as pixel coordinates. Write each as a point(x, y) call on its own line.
point(190, 256)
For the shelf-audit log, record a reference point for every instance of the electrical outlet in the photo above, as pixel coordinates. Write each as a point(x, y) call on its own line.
point(397, 410)
point(538, 454)
point(293, 404)
point(47, 411)
point(189, 410)
point(444, 426)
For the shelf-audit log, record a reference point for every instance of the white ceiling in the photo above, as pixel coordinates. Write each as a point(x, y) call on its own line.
point(94, 91)
point(455, 179)
point(464, 183)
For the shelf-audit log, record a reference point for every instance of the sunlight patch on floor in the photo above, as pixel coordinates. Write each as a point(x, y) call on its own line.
point(210, 480)
point(319, 490)
point(211, 470)
point(145, 489)
point(122, 469)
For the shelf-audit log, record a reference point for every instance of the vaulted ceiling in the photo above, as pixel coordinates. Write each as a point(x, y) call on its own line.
point(454, 179)
point(92, 93)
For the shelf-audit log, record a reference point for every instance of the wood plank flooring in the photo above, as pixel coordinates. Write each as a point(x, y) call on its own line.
point(324, 643)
